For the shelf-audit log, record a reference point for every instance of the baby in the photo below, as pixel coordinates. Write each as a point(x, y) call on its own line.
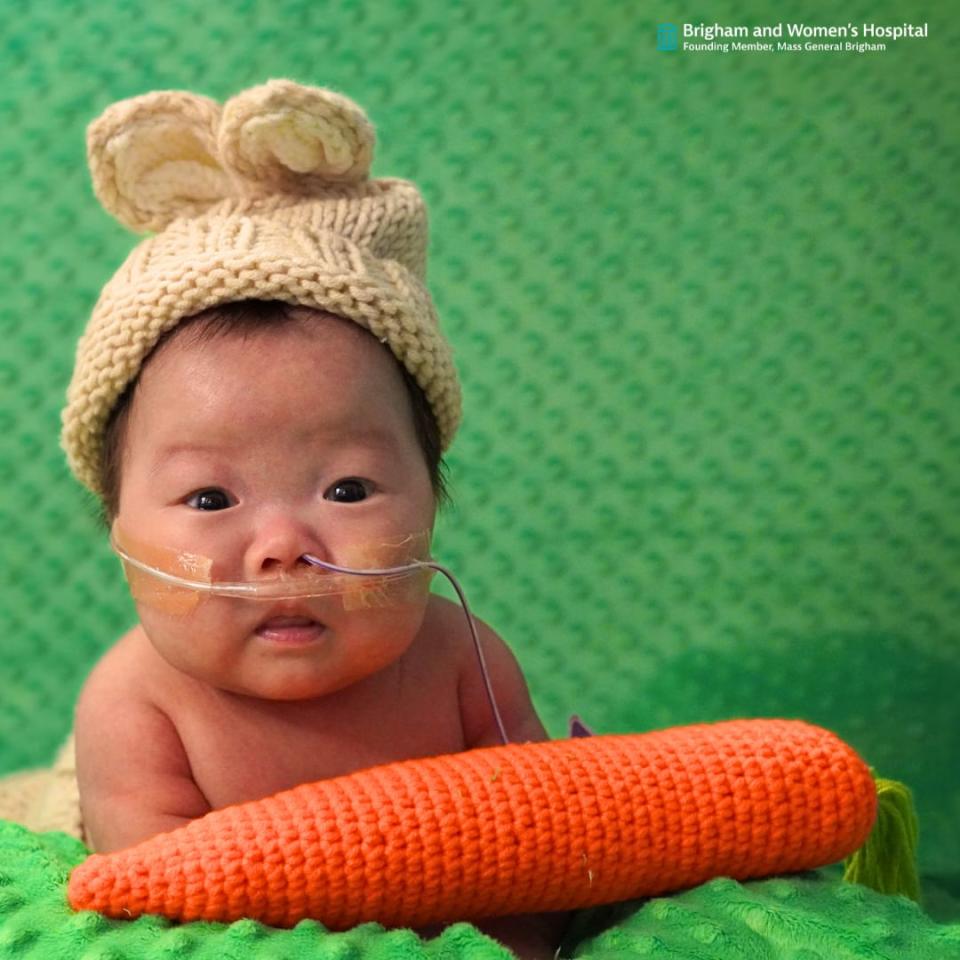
point(262, 381)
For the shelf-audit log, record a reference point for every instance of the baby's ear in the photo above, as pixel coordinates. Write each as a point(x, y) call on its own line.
point(154, 157)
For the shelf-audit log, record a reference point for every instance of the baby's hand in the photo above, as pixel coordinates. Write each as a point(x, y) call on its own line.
point(132, 771)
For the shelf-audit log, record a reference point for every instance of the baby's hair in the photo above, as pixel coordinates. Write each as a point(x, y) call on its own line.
point(245, 317)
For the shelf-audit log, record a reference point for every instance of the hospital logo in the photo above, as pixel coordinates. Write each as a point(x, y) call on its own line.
point(666, 36)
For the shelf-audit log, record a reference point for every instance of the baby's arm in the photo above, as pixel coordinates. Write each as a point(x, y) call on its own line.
point(132, 771)
point(509, 689)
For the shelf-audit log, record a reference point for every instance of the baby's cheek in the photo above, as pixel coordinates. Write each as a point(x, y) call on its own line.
point(380, 636)
point(202, 643)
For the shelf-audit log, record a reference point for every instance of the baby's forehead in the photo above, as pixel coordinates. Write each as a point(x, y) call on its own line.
point(322, 384)
point(326, 350)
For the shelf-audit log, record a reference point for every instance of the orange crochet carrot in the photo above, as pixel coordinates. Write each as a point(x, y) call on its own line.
point(508, 829)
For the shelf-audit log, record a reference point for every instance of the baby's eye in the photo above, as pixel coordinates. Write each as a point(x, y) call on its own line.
point(212, 499)
point(348, 490)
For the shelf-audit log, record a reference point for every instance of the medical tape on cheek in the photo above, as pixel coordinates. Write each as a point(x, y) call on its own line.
point(147, 567)
point(148, 588)
point(390, 590)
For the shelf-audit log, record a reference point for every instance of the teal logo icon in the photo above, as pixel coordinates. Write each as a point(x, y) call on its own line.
point(666, 36)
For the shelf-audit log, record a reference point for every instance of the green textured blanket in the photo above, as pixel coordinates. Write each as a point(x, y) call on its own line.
point(796, 918)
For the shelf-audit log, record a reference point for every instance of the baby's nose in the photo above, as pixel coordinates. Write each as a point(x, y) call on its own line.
point(279, 546)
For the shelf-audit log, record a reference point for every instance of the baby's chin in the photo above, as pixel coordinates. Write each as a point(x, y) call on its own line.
point(293, 681)
point(286, 691)
point(282, 682)
point(281, 689)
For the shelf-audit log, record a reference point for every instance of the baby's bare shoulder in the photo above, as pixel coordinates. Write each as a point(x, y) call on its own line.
point(128, 673)
point(119, 691)
point(118, 674)
point(133, 773)
point(505, 675)
point(443, 612)
point(445, 630)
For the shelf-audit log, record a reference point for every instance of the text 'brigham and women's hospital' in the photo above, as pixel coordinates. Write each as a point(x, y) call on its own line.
point(802, 31)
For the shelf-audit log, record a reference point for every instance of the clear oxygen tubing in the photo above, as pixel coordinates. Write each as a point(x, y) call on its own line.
point(253, 589)
point(439, 568)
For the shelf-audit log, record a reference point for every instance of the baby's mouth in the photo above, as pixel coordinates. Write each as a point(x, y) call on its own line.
point(291, 631)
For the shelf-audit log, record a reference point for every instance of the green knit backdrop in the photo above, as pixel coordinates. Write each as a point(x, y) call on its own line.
point(704, 311)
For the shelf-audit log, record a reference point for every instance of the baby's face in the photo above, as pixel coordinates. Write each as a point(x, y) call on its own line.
point(253, 452)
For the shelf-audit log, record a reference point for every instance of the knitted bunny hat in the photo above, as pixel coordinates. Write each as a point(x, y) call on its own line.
point(265, 197)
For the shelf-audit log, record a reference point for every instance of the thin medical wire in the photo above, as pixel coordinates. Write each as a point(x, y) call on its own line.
point(463, 603)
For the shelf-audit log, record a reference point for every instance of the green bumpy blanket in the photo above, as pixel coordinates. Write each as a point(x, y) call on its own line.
point(805, 917)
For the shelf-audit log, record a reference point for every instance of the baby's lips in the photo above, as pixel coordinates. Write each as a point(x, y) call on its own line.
point(275, 623)
point(286, 614)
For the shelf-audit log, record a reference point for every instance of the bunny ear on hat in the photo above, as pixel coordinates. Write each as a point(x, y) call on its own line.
point(172, 153)
point(283, 137)
point(154, 157)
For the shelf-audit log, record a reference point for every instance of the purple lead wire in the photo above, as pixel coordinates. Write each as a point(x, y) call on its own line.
point(386, 571)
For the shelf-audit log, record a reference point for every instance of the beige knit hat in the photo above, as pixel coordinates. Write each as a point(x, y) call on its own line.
point(265, 197)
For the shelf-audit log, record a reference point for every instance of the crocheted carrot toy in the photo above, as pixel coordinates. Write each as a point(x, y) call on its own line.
point(509, 829)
